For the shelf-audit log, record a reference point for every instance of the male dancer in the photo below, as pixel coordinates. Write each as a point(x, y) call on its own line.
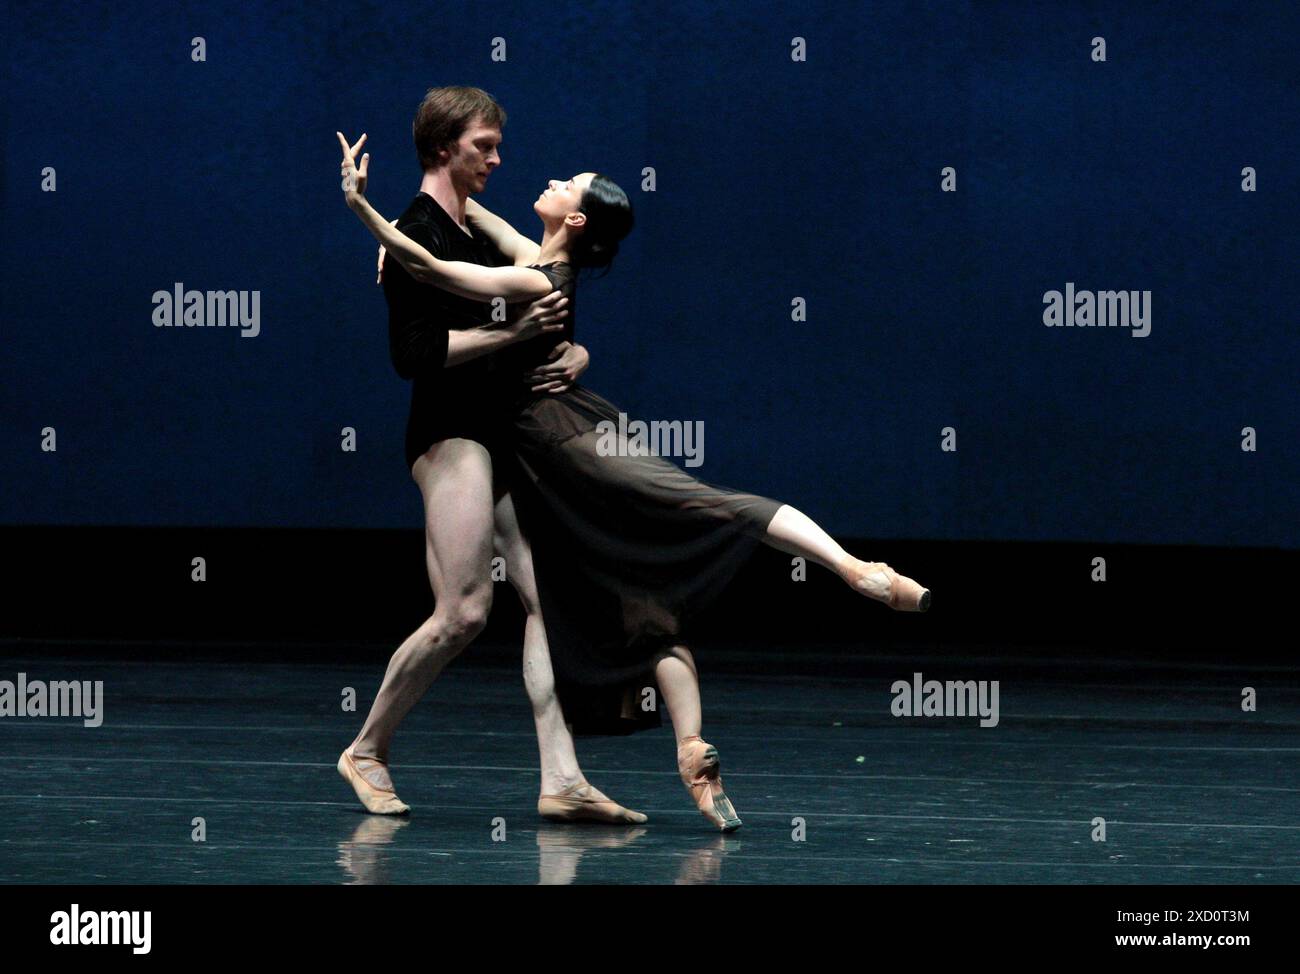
point(441, 341)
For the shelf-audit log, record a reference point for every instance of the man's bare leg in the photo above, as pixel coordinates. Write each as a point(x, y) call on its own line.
point(564, 789)
point(455, 478)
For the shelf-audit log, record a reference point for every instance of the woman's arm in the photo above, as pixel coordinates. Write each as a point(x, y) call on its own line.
point(459, 277)
point(517, 248)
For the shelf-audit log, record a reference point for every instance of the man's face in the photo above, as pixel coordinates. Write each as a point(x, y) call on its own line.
point(474, 156)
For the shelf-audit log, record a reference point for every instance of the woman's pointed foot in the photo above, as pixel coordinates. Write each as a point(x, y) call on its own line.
point(877, 580)
point(369, 779)
point(698, 764)
point(585, 803)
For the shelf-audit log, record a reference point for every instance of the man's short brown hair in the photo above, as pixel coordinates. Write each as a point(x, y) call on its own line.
point(445, 113)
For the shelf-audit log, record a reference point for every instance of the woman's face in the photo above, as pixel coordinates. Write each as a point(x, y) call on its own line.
point(562, 197)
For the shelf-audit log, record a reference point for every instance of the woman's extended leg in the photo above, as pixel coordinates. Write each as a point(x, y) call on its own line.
point(697, 760)
point(796, 533)
point(565, 792)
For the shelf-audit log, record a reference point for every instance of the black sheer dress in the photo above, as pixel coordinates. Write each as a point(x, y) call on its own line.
point(626, 549)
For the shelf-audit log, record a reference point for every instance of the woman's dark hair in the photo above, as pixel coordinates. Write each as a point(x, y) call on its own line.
point(609, 220)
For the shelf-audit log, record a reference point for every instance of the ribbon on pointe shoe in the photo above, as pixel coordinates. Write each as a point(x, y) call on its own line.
point(700, 769)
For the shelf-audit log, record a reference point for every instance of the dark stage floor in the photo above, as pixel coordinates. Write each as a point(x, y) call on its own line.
point(1192, 789)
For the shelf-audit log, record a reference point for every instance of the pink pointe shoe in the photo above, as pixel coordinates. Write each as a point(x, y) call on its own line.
point(377, 800)
point(697, 762)
point(877, 580)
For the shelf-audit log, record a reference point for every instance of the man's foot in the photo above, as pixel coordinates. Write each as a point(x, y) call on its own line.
point(584, 802)
point(369, 778)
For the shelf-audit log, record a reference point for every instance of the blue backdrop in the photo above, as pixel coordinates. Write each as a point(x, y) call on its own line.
point(776, 179)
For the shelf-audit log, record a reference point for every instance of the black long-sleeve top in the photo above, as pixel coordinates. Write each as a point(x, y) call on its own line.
point(462, 400)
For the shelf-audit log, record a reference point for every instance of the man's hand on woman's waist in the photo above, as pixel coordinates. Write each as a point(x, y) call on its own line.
point(567, 362)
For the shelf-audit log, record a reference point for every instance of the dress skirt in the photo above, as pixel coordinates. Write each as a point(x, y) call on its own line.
point(627, 550)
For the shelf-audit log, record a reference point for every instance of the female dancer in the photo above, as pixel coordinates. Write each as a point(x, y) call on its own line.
point(626, 547)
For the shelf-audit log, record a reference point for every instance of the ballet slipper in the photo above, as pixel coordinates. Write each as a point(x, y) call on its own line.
point(570, 806)
point(697, 762)
point(905, 594)
point(379, 801)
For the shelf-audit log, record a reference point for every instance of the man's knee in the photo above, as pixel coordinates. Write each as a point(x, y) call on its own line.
point(457, 620)
point(468, 612)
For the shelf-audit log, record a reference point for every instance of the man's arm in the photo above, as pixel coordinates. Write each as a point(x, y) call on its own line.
point(542, 316)
point(419, 343)
point(516, 248)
